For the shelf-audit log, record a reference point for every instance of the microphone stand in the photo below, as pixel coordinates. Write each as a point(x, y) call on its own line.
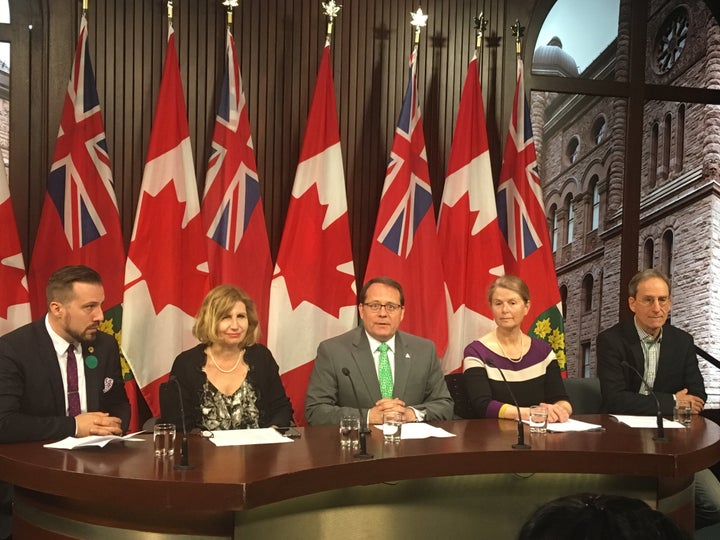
point(520, 444)
point(660, 434)
point(364, 431)
point(184, 464)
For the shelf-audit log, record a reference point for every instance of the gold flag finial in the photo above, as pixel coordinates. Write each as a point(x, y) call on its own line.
point(85, 7)
point(170, 8)
point(230, 5)
point(480, 24)
point(419, 19)
point(331, 10)
point(517, 31)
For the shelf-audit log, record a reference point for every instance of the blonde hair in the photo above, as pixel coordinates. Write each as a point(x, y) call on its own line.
point(511, 283)
point(216, 304)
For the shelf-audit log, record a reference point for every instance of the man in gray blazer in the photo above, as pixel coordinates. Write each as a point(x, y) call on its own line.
point(418, 385)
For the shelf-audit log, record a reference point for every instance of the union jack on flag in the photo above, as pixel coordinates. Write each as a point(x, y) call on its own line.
point(79, 222)
point(232, 213)
point(518, 221)
point(405, 243)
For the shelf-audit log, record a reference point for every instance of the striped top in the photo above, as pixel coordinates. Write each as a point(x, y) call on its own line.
point(534, 379)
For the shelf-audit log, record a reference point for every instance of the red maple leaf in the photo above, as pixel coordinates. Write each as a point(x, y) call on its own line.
point(13, 291)
point(310, 260)
point(168, 255)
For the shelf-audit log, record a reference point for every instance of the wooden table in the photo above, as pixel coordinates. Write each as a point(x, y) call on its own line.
point(84, 493)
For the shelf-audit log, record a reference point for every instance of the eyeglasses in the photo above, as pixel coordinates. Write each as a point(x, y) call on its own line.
point(648, 301)
point(389, 307)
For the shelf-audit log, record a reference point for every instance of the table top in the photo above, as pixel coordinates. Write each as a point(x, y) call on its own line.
point(243, 477)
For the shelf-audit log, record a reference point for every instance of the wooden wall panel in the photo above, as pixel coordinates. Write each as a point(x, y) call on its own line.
point(279, 43)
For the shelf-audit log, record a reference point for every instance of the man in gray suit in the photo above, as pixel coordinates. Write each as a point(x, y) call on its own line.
point(417, 387)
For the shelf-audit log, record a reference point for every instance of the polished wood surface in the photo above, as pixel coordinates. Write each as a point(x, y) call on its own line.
point(227, 479)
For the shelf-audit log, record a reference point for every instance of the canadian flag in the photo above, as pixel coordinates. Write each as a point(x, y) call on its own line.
point(166, 275)
point(233, 218)
point(405, 242)
point(14, 296)
point(470, 238)
point(313, 295)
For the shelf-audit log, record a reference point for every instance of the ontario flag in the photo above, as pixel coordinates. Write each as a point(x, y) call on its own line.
point(405, 242)
point(233, 218)
point(166, 275)
point(79, 223)
point(14, 295)
point(521, 214)
point(470, 238)
point(313, 295)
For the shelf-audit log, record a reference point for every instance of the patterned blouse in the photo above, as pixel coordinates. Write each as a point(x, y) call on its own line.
point(237, 411)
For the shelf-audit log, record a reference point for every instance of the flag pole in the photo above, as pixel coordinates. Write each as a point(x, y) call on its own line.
point(518, 31)
point(330, 10)
point(230, 5)
point(480, 27)
point(84, 7)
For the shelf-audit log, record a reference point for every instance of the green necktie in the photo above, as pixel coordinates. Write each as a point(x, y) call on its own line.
point(384, 373)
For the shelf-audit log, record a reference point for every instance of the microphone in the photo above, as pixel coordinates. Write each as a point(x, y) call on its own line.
point(362, 454)
point(520, 444)
point(660, 436)
point(183, 465)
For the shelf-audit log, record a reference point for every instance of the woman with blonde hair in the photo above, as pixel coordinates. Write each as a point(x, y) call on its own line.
point(229, 381)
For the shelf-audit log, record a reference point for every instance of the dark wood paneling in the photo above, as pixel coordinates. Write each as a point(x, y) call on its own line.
point(279, 44)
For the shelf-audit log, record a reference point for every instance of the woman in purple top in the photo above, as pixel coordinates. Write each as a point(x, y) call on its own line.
point(529, 364)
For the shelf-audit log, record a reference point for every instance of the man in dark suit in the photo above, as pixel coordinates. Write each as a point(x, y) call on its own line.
point(665, 356)
point(39, 398)
point(417, 387)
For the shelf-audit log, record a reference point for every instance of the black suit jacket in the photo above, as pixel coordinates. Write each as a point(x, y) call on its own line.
point(32, 398)
point(677, 369)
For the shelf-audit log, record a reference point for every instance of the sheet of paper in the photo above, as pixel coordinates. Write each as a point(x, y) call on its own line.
point(421, 430)
point(645, 421)
point(69, 443)
point(241, 437)
point(573, 425)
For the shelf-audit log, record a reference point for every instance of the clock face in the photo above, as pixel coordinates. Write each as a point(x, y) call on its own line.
point(671, 40)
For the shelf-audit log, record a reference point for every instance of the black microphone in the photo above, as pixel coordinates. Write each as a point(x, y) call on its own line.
point(362, 454)
point(521, 431)
point(660, 436)
point(183, 465)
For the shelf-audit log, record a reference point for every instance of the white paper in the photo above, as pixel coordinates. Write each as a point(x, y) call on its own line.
point(573, 425)
point(420, 430)
point(645, 421)
point(241, 437)
point(69, 443)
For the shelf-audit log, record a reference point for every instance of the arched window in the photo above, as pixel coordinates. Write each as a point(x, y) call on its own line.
point(595, 210)
point(598, 130)
point(587, 288)
point(570, 213)
point(680, 139)
point(654, 142)
point(667, 137)
point(563, 300)
point(648, 254)
point(667, 253)
point(554, 232)
point(573, 150)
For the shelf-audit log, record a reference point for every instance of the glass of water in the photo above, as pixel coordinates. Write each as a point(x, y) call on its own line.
point(392, 427)
point(349, 431)
point(538, 419)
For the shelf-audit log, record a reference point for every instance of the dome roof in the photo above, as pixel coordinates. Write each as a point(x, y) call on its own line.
point(551, 59)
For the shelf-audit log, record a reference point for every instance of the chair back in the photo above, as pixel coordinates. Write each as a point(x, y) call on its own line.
point(584, 394)
point(456, 386)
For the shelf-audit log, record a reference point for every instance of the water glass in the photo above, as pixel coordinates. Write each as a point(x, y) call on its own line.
point(164, 438)
point(682, 412)
point(538, 419)
point(392, 427)
point(349, 431)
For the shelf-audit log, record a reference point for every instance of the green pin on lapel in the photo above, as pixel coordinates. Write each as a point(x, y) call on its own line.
point(91, 361)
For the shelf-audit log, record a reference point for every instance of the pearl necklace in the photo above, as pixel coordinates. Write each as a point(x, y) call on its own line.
point(237, 363)
point(506, 355)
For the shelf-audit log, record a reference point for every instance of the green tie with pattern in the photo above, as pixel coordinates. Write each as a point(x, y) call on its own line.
point(384, 373)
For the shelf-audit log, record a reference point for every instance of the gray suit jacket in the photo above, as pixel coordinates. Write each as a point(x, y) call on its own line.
point(419, 381)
